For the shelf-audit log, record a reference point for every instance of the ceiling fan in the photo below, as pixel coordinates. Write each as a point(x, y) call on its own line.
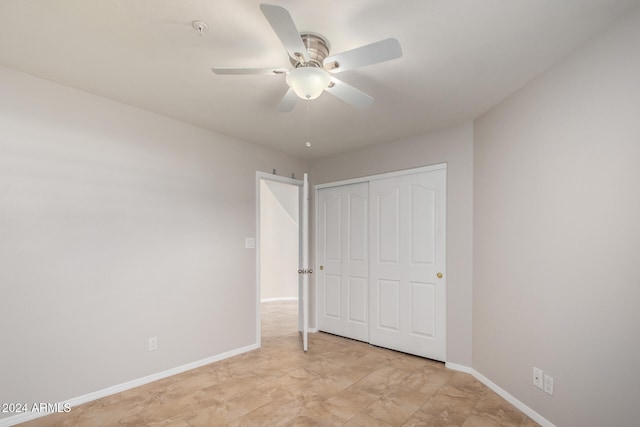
point(313, 66)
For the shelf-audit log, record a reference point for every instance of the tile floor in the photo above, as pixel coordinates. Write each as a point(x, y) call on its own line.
point(338, 382)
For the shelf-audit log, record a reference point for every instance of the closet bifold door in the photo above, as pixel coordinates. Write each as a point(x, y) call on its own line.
point(342, 275)
point(407, 277)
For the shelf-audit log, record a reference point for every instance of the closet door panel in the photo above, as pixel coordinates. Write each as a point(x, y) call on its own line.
point(342, 276)
point(407, 272)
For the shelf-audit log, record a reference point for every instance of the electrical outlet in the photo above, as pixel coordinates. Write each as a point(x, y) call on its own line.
point(537, 377)
point(548, 385)
point(153, 343)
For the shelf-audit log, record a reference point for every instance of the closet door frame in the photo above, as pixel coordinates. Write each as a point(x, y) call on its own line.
point(370, 178)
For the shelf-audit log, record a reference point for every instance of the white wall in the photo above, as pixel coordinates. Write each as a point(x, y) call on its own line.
point(116, 225)
point(557, 236)
point(279, 241)
point(453, 146)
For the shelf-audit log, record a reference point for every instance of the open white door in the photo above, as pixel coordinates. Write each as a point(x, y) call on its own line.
point(304, 270)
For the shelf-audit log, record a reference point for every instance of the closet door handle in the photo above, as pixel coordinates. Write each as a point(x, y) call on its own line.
point(439, 275)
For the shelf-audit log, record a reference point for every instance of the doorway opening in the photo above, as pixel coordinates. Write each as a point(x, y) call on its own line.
point(278, 256)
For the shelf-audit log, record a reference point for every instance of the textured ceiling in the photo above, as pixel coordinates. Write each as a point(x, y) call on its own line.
point(461, 57)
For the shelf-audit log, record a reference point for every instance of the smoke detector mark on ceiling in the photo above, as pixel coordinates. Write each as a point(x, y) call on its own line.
point(200, 27)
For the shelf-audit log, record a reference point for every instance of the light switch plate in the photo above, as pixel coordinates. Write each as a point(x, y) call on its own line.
point(548, 384)
point(250, 242)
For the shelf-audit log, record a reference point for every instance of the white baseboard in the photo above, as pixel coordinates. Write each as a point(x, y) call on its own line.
point(456, 367)
point(279, 299)
point(21, 418)
point(515, 402)
point(502, 393)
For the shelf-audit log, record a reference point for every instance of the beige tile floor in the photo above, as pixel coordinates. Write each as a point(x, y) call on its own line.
point(337, 382)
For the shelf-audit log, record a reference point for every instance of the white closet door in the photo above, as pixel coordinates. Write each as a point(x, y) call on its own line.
point(343, 271)
point(407, 263)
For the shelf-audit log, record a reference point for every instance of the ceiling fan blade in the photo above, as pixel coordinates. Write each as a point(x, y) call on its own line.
point(288, 101)
point(349, 94)
point(373, 53)
point(263, 71)
point(286, 30)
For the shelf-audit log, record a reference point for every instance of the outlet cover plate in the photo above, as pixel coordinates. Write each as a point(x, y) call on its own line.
point(537, 377)
point(153, 343)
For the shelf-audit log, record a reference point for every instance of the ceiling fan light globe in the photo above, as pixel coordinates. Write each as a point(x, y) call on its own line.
point(308, 82)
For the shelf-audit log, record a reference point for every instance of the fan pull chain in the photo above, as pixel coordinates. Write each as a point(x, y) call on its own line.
point(308, 143)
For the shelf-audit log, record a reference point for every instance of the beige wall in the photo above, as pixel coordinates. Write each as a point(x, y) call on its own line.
point(117, 225)
point(453, 146)
point(557, 236)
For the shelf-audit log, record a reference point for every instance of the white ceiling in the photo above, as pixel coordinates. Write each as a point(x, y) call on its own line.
point(461, 57)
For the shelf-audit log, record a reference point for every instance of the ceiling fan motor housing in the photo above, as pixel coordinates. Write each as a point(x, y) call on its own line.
point(317, 49)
